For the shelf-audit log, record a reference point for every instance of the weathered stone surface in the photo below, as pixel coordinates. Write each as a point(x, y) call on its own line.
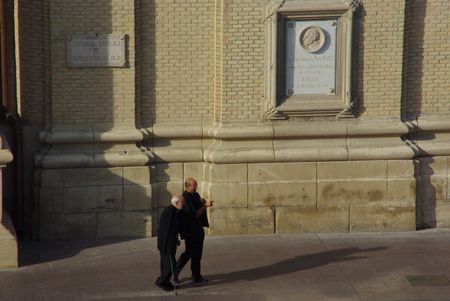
point(124, 224)
point(375, 218)
point(68, 226)
point(292, 150)
point(226, 195)
point(230, 152)
point(400, 169)
point(226, 173)
point(273, 172)
point(194, 170)
point(8, 244)
point(96, 198)
point(52, 178)
point(312, 219)
point(51, 199)
point(137, 197)
point(401, 192)
point(282, 194)
point(136, 175)
point(333, 193)
point(162, 192)
point(352, 170)
point(165, 172)
point(433, 166)
point(228, 221)
point(93, 177)
point(433, 187)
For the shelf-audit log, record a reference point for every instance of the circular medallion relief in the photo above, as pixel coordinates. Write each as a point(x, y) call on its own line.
point(312, 38)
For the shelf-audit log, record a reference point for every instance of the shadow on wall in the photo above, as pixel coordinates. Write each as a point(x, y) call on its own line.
point(90, 203)
point(358, 61)
point(411, 99)
point(426, 193)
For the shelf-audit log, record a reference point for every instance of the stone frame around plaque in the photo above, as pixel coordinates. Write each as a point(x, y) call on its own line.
point(279, 104)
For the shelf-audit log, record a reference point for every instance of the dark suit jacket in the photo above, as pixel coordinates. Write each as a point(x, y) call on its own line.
point(193, 203)
point(168, 230)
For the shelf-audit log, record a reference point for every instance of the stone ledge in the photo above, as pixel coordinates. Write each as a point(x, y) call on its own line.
point(92, 160)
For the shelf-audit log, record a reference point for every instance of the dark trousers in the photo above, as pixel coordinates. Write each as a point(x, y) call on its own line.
point(166, 271)
point(193, 251)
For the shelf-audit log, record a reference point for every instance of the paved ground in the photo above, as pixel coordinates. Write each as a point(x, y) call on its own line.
point(372, 266)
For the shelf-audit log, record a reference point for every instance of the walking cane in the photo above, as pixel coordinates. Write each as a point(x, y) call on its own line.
point(172, 278)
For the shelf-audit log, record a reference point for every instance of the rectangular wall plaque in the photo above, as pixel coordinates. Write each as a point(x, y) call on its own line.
point(96, 50)
point(311, 57)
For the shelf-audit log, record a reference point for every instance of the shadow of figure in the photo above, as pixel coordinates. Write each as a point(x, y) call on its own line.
point(295, 264)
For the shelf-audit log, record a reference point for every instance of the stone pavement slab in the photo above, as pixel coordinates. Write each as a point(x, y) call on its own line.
point(358, 266)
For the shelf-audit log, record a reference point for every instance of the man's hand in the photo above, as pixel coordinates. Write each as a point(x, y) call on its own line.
point(209, 203)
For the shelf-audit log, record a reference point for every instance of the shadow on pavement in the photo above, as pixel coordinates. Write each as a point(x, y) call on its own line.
point(35, 252)
point(298, 263)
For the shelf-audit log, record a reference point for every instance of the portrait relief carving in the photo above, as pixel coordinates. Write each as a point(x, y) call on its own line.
point(312, 39)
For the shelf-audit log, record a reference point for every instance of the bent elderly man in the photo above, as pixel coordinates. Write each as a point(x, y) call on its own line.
point(169, 228)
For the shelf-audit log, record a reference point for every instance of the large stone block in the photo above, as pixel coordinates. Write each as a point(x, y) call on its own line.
point(433, 166)
point(228, 221)
point(163, 192)
point(68, 226)
point(226, 173)
point(165, 172)
point(282, 194)
point(137, 197)
point(226, 195)
point(96, 198)
point(334, 193)
point(312, 219)
point(273, 172)
point(52, 178)
point(51, 199)
point(136, 175)
point(376, 218)
point(124, 224)
point(80, 177)
point(194, 170)
point(401, 192)
point(433, 187)
point(349, 170)
point(401, 169)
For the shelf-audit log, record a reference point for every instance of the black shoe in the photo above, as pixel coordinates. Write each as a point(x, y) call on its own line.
point(199, 279)
point(168, 287)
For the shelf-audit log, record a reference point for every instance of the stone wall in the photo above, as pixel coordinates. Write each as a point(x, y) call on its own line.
point(88, 203)
point(117, 142)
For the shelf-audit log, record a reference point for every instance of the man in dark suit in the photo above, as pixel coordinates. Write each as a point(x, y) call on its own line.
point(193, 232)
point(169, 227)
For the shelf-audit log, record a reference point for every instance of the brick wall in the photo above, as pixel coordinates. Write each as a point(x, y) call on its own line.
point(379, 54)
point(243, 59)
point(87, 96)
point(427, 83)
point(177, 57)
point(30, 35)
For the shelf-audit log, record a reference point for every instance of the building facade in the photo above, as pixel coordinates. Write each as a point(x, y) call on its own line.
point(120, 101)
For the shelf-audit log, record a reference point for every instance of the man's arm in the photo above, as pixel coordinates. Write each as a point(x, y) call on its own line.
point(202, 209)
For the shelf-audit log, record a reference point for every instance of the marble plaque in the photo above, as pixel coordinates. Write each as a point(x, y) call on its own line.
point(96, 50)
point(310, 57)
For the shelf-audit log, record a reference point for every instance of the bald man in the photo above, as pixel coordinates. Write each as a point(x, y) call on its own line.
point(193, 232)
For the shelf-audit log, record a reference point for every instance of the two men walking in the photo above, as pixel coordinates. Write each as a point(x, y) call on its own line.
point(186, 219)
